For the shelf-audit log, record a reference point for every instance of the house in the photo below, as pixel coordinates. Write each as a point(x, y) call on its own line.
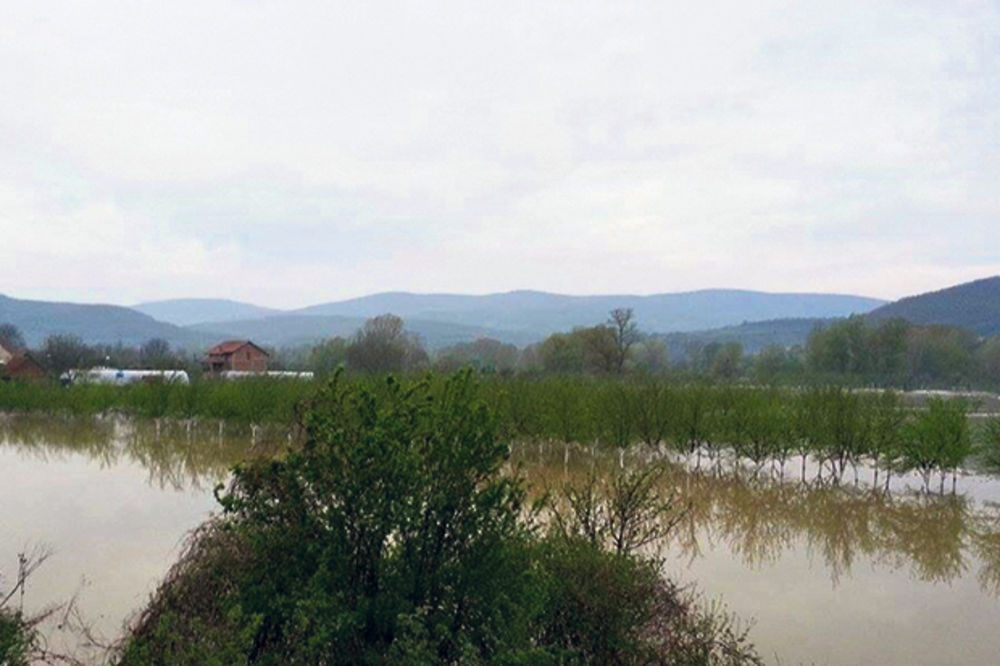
point(22, 365)
point(239, 355)
point(5, 355)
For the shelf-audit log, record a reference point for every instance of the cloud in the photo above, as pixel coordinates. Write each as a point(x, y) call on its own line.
point(295, 153)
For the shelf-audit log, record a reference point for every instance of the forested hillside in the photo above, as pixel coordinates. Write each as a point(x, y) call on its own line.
point(974, 306)
point(753, 337)
point(103, 324)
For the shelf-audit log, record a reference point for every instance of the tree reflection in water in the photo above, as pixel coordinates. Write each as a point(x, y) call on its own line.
point(936, 538)
point(178, 455)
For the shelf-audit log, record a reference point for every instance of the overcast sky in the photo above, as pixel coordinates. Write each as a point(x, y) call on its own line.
point(288, 153)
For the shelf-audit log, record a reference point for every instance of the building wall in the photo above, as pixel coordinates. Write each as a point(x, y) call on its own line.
point(248, 359)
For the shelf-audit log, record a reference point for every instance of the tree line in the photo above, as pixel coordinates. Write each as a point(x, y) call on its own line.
point(853, 351)
point(839, 428)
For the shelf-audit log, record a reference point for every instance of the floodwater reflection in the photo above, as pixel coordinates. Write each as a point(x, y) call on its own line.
point(113, 500)
point(828, 573)
point(758, 518)
point(182, 455)
point(832, 573)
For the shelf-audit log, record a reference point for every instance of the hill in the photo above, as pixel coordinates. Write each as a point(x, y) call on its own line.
point(753, 336)
point(106, 324)
point(293, 330)
point(188, 311)
point(972, 305)
point(537, 314)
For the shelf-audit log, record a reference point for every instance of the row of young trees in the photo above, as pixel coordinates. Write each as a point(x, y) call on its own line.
point(840, 428)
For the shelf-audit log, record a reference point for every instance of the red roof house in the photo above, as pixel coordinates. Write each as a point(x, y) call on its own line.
point(22, 365)
point(239, 355)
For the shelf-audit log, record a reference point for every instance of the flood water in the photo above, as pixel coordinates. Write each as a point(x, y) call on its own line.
point(829, 573)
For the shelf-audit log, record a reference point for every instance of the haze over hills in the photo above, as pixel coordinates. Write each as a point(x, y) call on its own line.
point(518, 317)
point(107, 324)
point(972, 305)
point(188, 311)
point(296, 329)
point(540, 313)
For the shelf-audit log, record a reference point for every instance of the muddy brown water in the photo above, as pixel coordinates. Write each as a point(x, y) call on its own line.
point(827, 573)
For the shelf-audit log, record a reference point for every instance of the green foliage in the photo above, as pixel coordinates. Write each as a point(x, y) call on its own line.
point(989, 445)
point(897, 353)
point(16, 639)
point(838, 426)
point(392, 536)
point(383, 345)
point(939, 438)
point(485, 354)
point(251, 400)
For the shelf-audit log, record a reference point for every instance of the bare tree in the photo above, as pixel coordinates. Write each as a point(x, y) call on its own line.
point(626, 334)
point(156, 353)
point(11, 338)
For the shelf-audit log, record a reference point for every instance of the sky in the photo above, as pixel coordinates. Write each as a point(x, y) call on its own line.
point(289, 153)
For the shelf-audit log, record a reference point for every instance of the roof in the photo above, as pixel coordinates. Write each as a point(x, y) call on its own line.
point(22, 361)
point(232, 346)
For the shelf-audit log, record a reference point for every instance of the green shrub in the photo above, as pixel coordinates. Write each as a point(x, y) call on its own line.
point(393, 536)
point(16, 639)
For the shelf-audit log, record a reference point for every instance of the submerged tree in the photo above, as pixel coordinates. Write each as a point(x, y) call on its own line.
point(938, 439)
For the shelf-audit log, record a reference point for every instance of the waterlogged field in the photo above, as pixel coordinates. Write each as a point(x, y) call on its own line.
point(829, 570)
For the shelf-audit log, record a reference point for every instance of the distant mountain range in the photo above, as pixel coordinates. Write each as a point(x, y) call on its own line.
point(973, 305)
point(93, 323)
point(538, 314)
point(756, 319)
point(518, 317)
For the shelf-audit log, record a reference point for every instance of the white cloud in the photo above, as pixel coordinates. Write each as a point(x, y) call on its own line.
point(291, 153)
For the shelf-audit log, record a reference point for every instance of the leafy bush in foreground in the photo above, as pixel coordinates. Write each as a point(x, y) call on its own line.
point(16, 639)
point(393, 537)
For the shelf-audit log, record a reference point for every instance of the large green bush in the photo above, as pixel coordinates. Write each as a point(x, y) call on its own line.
point(395, 536)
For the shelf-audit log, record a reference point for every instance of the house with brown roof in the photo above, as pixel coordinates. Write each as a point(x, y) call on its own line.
point(5, 355)
point(22, 366)
point(238, 355)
